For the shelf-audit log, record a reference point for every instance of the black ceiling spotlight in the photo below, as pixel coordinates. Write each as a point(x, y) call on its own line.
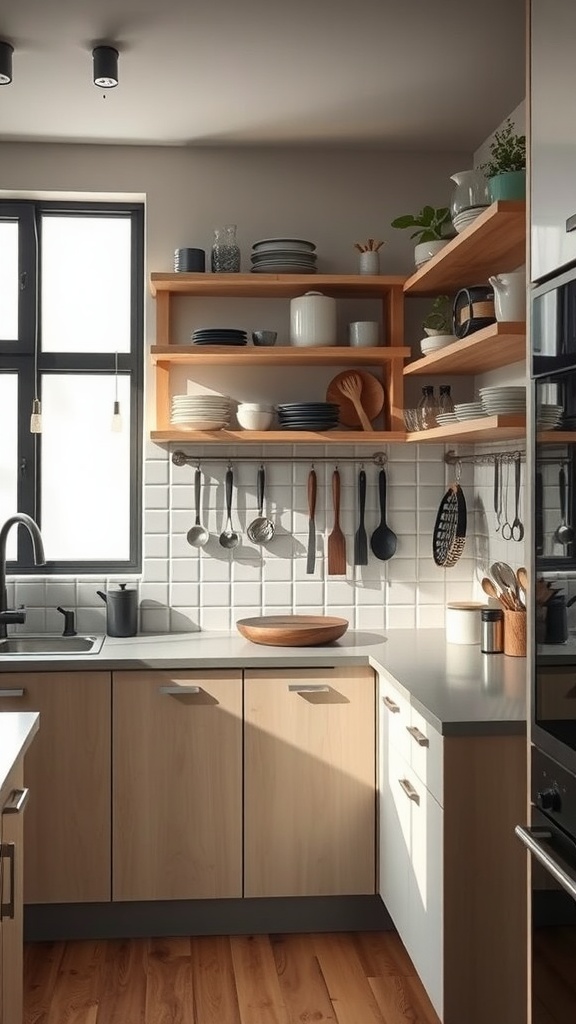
point(6, 52)
point(105, 66)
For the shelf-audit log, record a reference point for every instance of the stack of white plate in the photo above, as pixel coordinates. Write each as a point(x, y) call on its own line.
point(503, 400)
point(283, 256)
point(444, 419)
point(462, 220)
point(549, 416)
point(200, 412)
point(469, 410)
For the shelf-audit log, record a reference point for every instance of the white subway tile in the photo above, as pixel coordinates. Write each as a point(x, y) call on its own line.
point(61, 593)
point(154, 620)
point(246, 593)
point(184, 620)
point(401, 617)
point(430, 616)
point(185, 570)
point(91, 620)
point(156, 593)
point(155, 496)
point(155, 521)
point(156, 570)
point(156, 472)
point(155, 546)
point(215, 595)
point(370, 617)
point(215, 619)
point(185, 595)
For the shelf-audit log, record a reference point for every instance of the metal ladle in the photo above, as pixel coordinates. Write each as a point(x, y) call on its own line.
point(229, 538)
point(197, 535)
point(564, 534)
point(261, 530)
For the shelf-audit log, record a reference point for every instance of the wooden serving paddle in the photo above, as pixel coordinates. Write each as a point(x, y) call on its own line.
point(336, 540)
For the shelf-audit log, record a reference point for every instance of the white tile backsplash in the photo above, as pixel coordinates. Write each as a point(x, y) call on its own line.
point(185, 588)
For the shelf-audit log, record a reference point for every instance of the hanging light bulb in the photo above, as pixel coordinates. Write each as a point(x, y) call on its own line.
point(116, 424)
point(36, 417)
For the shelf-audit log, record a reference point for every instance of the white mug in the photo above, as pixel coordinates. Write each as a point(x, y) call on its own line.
point(364, 333)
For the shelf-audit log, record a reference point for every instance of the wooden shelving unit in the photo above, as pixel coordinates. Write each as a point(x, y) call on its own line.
point(387, 360)
point(498, 345)
point(495, 242)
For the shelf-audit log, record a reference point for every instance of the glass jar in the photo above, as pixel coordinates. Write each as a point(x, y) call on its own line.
point(225, 251)
point(470, 192)
point(427, 408)
point(445, 404)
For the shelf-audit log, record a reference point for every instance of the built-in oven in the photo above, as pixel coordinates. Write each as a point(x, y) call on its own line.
point(551, 839)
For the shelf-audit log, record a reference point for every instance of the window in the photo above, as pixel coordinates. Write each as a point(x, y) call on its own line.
point(71, 334)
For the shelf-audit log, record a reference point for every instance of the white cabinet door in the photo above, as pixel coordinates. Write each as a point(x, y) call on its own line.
point(425, 890)
point(395, 837)
point(553, 134)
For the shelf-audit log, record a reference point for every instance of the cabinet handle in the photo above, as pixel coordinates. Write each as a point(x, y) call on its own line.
point(420, 738)
point(571, 223)
point(176, 691)
point(308, 688)
point(17, 802)
point(8, 850)
point(13, 693)
point(391, 705)
point(408, 788)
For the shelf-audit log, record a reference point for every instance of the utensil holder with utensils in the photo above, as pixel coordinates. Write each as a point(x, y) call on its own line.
point(515, 633)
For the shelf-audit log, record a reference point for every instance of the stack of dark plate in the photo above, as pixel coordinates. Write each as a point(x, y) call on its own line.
point(283, 256)
point(189, 261)
point(308, 416)
point(219, 336)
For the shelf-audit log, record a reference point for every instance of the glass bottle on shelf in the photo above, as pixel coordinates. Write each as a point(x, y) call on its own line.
point(225, 251)
point(427, 408)
point(445, 404)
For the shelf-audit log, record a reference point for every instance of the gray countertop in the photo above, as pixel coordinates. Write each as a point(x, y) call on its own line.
point(17, 729)
point(456, 688)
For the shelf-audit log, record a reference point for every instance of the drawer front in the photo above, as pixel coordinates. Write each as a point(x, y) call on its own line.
point(426, 754)
point(394, 718)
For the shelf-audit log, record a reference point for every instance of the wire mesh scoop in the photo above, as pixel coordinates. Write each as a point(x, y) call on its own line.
point(449, 535)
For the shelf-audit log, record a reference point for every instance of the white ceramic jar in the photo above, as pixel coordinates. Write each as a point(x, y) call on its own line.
point(463, 621)
point(313, 320)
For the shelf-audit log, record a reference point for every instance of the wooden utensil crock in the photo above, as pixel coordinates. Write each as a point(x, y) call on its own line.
point(515, 633)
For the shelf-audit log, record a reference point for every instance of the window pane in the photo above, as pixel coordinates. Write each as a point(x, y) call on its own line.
point(8, 454)
point(85, 469)
point(86, 284)
point(8, 280)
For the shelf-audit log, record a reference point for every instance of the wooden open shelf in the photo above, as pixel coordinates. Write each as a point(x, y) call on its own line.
point(280, 355)
point(488, 428)
point(494, 346)
point(495, 242)
point(557, 436)
point(274, 285)
point(370, 437)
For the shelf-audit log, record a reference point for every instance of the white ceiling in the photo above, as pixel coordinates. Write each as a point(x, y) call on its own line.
point(405, 74)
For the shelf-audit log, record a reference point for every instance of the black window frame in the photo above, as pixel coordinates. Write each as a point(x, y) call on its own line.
point(20, 357)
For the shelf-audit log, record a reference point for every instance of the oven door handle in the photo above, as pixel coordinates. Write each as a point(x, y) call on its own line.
point(536, 839)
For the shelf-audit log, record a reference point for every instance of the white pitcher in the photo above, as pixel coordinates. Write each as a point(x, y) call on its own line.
point(510, 295)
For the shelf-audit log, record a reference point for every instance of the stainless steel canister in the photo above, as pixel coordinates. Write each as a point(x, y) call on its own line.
point(492, 631)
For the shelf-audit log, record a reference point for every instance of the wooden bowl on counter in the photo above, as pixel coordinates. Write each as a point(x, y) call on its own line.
point(292, 630)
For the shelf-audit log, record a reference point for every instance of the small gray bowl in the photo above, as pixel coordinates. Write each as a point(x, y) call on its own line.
point(264, 337)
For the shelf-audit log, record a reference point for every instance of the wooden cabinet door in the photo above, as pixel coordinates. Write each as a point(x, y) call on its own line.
point(177, 818)
point(67, 769)
point(11, 897)
point(309, 791)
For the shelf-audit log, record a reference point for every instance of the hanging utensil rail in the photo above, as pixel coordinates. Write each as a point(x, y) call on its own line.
point(484, 458)
point(180, 458)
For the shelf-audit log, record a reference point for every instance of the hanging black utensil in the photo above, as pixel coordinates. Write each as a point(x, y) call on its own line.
point(360, 537)
point(383, 540)
point(449, 535)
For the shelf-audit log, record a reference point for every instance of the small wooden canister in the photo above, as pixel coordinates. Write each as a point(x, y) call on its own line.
point(515, 633)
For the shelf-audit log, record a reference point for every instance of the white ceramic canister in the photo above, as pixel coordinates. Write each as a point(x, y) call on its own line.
point(463, 622)
point(510, 295)
point(313, 320)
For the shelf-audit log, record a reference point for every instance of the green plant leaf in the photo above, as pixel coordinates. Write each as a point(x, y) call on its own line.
point(406, 221)
point(426, 216)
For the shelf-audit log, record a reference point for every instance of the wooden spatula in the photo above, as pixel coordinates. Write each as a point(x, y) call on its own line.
point(351, 388)
point(336, 540)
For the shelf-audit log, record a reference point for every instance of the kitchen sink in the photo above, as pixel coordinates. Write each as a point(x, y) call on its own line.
point(20, 645)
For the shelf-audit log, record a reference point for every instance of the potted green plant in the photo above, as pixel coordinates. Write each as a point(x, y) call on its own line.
point(506, 169)
point(437, 325)
point(431, 226)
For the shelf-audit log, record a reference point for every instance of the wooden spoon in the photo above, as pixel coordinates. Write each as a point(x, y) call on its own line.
point(503, 598)
point(351, 387)
point(522, 577)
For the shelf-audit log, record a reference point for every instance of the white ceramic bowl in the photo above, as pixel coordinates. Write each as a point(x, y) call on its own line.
point(254, 418)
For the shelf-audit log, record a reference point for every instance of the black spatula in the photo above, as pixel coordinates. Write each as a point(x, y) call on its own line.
point(360, 537)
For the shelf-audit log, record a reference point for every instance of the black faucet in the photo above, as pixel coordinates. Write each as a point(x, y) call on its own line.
point(69, 625)
point(8, 615)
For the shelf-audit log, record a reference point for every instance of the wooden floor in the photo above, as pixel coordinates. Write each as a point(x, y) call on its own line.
point(343, 978)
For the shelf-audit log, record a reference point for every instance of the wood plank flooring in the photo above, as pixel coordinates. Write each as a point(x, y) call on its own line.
point(336, 978)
